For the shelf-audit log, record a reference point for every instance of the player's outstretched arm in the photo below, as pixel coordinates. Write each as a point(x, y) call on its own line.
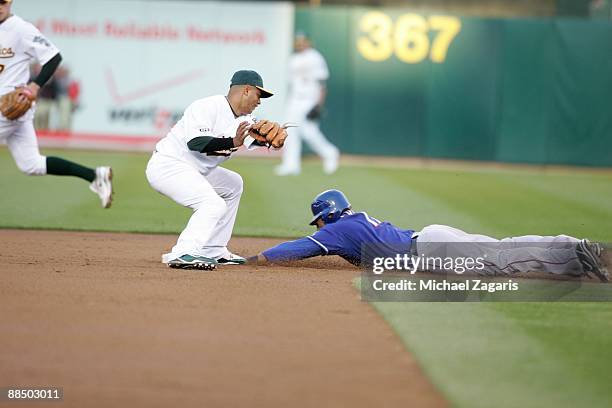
point(288, 251)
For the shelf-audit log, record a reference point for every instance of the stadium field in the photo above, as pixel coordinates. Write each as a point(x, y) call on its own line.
point(474, 354)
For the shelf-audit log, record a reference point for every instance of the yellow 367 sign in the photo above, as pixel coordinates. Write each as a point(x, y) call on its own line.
point(408, 38)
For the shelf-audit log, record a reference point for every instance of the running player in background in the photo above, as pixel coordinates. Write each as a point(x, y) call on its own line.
point(307, 93)
point(21, 44)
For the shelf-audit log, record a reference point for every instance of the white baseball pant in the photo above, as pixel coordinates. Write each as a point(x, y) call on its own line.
point(20, 137)
point(552, 254)
point(308, 131)
point(214, 199)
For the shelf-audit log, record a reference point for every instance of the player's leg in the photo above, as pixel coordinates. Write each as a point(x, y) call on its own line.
point(445, 233)
point(7, 128)
point(510, 255)
point(23, 146)
point(291, 163)
point(320, 145)
point(186, 186)
point(442, 241)
point(552, 254)
point(228, 185)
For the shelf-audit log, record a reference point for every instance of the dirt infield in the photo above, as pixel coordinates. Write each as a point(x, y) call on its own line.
point(100, 316)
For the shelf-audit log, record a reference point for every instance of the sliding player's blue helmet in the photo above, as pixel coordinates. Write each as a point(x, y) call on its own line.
point(329, 205)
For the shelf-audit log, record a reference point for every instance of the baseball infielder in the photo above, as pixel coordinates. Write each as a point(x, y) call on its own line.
point(307, 91)
point(346, 233)
point(20, 44)
point(185, 167)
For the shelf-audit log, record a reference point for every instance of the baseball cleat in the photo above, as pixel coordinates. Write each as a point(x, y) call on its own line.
point(330, 164)
point(231, 259)
point(284, 171)
point(193, 262)
point(103, 185)
point(589, 255)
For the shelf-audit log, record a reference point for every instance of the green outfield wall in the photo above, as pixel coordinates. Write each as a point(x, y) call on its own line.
point(408, 84)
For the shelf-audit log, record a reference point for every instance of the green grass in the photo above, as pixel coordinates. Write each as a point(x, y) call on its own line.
point(491, 202)
point(477, 354)
point(511, 354)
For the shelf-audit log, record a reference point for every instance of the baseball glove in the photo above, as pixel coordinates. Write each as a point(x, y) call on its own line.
point(269, 133)
point(14, 104)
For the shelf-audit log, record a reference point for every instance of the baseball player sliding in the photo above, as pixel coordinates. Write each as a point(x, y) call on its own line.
point(185, 167)
point(20, 44)
point(346, 233)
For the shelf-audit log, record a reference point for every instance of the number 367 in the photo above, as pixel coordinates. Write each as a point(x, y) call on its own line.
point(409, 37)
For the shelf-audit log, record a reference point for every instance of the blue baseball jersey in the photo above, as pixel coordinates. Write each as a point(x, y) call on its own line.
point(351, 236)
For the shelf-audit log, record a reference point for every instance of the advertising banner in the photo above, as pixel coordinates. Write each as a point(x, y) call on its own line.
point(134, 66)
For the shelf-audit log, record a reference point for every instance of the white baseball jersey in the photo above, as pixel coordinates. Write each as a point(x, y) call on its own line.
point(306, 70)
point(211, 116)
point(20, 44)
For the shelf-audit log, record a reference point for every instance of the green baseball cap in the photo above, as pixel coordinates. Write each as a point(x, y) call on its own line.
point(247, 77)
